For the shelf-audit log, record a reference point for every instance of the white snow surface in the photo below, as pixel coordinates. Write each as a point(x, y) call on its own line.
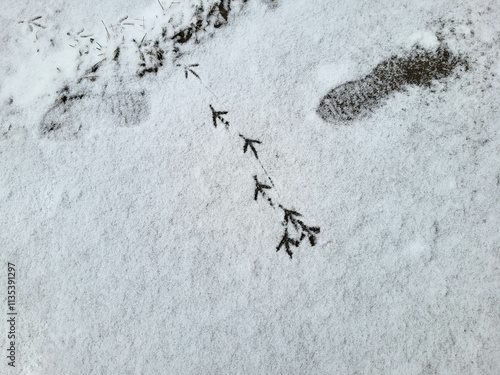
point(139, 247)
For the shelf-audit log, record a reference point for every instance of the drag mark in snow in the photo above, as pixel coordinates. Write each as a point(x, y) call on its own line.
point(189, 69)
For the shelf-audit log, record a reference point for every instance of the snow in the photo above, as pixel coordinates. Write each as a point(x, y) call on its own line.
point(426, 39)
point(138, 244)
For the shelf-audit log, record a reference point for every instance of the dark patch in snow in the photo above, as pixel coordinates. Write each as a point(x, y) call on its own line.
point(151, 56)
point(116, 54)
point(417, 67)
point(5, 131)
point(218, 16)
point(272, 4)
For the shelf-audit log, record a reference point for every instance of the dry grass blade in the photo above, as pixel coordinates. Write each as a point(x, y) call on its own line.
point(107, 32)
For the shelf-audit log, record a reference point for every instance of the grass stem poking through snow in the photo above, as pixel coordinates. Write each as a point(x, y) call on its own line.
point(107, 32)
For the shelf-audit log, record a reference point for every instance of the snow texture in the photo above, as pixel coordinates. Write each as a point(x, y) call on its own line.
point(175, 202)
